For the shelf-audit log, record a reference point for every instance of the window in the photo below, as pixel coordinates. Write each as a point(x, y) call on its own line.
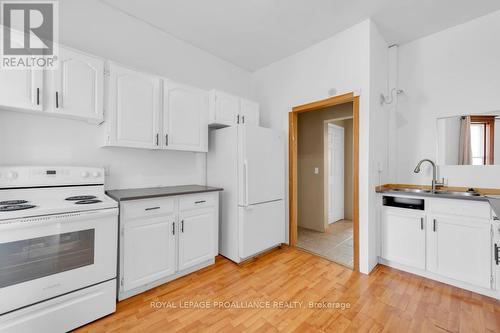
point(482, 131)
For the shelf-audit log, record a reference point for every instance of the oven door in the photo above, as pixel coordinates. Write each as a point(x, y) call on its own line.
point(47, 256)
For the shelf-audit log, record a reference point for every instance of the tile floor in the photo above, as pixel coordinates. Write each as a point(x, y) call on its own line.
point(335, 244)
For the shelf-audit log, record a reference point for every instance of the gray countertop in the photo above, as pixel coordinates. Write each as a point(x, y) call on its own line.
point(156, 192)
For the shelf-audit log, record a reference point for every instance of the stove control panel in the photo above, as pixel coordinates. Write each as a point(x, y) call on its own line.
point(25, 176)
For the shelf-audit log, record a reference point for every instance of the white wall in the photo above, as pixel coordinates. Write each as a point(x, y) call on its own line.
point(341, 62)
point(453, 72)
point(96, 28)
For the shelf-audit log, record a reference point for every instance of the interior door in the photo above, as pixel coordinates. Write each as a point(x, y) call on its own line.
point(196, 237)
point(149, 246)
point(261, 165)
point(185, 117)
point(336, 172)
point(261, 227)
point(135, 101)
point(249, 111)
point(458, 250)
point(77, 86)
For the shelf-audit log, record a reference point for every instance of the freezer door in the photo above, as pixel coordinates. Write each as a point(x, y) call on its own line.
point(261, 227)
point(261, 165)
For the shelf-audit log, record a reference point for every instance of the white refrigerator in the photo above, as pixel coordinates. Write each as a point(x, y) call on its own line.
point(248, 162)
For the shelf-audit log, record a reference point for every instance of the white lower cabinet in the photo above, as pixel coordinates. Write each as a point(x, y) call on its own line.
point(451, 241)
point(164, 238)
point(403, 237)
point(196, 237)
point(149, 247)
point(460, 249)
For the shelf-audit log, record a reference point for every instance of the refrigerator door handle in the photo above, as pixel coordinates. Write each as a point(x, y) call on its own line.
point(245, 166)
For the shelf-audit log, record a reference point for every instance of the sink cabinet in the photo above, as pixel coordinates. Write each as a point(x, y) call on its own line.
point(451, 241)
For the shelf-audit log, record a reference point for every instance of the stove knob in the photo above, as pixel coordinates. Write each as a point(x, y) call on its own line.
point(96, 174)
point(85, 174)
point(11, 175)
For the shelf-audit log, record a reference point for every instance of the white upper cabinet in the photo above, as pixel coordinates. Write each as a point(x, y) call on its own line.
point(227, 110)
point(76, 88)
point(185, 117)
point(249, 112)
point(224, 109)
point(21, 89)
point(133, 107)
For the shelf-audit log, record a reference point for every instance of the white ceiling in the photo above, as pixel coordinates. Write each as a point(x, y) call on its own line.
point(254, 33)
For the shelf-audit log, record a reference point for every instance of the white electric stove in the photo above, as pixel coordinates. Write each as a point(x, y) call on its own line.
point(58, 248)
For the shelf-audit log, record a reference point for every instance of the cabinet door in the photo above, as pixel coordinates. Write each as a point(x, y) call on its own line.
point(134, 103)
point(76, 87)
point(224, 109)
point(196, 237)
point(249, 112)
point(149, 250)
point(403, 237)
point(21, 89)
point(185, 117)
point(460, 248)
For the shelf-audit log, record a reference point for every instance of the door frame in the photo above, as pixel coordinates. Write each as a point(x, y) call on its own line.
point(293, 118)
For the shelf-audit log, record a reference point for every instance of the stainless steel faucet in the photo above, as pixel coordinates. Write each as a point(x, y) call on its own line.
point(435, 182)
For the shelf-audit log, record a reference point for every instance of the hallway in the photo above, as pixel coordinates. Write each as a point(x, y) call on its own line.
point(336, 244)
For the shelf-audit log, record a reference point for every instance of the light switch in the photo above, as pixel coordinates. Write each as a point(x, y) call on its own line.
point(316, 171)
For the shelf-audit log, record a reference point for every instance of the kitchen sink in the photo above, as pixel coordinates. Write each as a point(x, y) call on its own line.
point(411, 190)
point(458, 194)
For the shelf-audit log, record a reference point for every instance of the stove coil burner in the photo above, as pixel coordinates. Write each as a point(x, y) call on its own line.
point(87, 201)
point(81, 197)
point(12, 202)
point(11, 208)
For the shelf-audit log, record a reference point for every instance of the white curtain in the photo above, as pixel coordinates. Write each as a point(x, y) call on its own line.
point(464, 149)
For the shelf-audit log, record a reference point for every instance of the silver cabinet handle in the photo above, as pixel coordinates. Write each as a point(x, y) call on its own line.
point(57, 99)
point(173, 228)
point(166, 139)
point(434, 225)
point(152, 208)
point(157, 138)
point(182, 226)
point(238, 119)
point(421, 223)
point(243, 119)
point(37, 96)
point(199, 202)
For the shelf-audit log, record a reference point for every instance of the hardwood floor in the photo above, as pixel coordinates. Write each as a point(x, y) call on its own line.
point(386, 300)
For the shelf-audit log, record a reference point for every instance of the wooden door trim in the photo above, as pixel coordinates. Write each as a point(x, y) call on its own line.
point(293, 118)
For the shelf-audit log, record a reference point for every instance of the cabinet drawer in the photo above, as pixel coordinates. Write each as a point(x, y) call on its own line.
point(476, 209)
point(195, 201)
point(147, 207)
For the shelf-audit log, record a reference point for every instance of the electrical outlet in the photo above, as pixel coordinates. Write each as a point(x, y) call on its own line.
point(316, 171)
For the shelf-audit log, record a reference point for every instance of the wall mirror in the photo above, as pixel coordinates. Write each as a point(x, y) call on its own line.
point(472, 139)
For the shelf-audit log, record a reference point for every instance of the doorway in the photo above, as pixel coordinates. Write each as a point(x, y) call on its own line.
point(323, 184)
